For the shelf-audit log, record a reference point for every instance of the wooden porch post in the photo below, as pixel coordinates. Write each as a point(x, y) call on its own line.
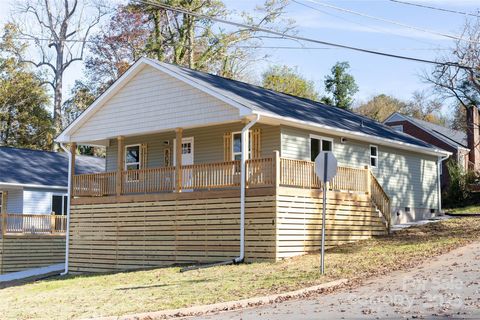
point(369, 180)
point(4, 223)
point(178, 159)
point(73, 151)
point(120, 163)
point(276, 169)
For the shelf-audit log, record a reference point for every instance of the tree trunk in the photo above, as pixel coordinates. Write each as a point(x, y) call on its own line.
point(191, 39)
point(57, 99)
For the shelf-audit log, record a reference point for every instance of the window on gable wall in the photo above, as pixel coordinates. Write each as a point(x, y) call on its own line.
point(318, 144)
point(373, 156)
point(132, 157)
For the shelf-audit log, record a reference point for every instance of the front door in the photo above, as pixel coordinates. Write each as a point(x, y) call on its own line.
point(187, 159)
point(187, 151)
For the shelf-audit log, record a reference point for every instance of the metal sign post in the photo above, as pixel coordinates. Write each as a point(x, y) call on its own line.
point(325, 169)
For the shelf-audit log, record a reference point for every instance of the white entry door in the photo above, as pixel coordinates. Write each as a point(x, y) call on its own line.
point(187, 151)
point(187, 159)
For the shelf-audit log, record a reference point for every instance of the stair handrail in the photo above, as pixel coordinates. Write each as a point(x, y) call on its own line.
point(381, 200)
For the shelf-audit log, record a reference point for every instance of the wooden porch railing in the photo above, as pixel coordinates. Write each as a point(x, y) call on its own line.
point(94, 184)
point(301, 174)
point(148, 180)
point(217, 175)
point(18, 223)
point(223, 175)
point(380, 199)
point(260, 172)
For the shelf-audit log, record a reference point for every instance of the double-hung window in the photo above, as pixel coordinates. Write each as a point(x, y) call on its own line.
point(318, 144)
point(132, 157)
point(373, 156)
point(237, 145)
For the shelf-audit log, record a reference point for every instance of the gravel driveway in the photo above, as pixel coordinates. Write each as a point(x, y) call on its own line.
point(446, 287)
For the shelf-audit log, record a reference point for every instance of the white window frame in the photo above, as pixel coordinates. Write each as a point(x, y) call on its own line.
point(64, 200)
point(249, 142)
point(321, 138)
point(398, 127)
point(375, 157)
point(139, 156)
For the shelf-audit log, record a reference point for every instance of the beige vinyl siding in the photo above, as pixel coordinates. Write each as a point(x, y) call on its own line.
point(208, 143)
point(409, 178)
point(153, 101)
point(296, 145)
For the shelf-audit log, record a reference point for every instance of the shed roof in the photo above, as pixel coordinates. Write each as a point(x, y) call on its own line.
point(42, 168)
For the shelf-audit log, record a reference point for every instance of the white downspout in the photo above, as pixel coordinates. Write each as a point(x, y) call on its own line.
point(245, 143)
point(439, 165)
point(67, 238)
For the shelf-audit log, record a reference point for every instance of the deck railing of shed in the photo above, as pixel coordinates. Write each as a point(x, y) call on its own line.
point(34, 224)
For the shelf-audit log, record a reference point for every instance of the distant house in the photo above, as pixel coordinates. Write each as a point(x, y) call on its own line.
point(35, 182)
point(33, 189)
point(453, 141)
point(202, 168)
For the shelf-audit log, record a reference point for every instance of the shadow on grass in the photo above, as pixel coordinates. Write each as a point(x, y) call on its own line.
point(180, 283)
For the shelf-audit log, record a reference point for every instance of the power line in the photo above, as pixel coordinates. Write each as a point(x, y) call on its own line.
point(375, 29)
point(436, 8)
point(251, 46)
point(446, 35)
point(297, 38)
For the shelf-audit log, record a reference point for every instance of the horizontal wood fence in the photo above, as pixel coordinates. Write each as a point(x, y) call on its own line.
point(183, 228)
point(179, 229)
point(21, 252)
point(33, 224)
point(350, 217)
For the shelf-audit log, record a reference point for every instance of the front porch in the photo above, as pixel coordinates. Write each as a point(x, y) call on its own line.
point(150, 218)
point(273, 172)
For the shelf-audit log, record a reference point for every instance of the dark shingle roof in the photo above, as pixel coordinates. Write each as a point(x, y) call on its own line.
point(450, 136)
point(276, 103)
point(43, 168)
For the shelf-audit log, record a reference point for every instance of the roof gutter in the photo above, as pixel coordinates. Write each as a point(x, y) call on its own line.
point(29, 185)
point(355, 135)
point(67, 237)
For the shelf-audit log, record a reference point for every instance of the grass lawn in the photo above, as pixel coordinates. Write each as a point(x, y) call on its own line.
point(472, 209)
point(141, 291)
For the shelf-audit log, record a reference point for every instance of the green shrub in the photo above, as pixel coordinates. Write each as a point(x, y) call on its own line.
point(457, 192)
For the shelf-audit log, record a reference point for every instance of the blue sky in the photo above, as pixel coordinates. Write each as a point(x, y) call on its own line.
point(373, 74)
